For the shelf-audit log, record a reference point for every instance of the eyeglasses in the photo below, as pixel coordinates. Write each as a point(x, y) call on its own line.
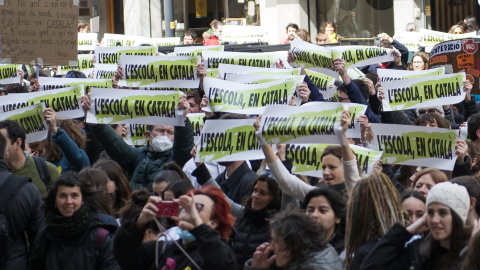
point(421, 111)
point(198, 206)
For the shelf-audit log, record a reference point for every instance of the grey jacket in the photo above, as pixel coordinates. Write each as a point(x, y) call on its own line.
point(326, 259)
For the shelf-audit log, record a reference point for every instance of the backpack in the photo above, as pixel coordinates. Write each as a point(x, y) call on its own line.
point(43, 171)
point(8, 189)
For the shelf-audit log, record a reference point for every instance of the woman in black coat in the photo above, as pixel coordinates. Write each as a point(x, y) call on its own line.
point(73, 237)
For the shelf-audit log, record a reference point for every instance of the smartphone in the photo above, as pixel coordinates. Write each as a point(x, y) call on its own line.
point(377, 42)
point(167, 209)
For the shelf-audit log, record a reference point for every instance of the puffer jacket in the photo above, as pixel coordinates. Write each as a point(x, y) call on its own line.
point(141, 163)
point(325, 259)
point(251, 230)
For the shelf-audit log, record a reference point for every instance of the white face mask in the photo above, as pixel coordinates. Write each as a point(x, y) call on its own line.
point(161, 143)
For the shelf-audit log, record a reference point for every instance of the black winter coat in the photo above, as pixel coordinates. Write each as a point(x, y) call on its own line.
point(79, 253)
point(209, 251)
point(24, 218)
point(251, 230)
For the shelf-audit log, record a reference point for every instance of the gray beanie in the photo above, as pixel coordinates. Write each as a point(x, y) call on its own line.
point(452, 195)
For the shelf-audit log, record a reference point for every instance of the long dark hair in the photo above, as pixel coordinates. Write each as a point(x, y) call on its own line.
point(115, 174)
point(273, 187)
point(429, 248)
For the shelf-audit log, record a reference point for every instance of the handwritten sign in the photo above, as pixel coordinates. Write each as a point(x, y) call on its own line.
point(39, 32)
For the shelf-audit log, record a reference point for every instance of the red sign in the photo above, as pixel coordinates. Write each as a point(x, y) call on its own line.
point(469, 47)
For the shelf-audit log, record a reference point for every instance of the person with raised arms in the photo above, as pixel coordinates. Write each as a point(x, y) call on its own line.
point(164, 143)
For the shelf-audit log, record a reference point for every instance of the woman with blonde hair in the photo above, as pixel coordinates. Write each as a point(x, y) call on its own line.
point(427, 178)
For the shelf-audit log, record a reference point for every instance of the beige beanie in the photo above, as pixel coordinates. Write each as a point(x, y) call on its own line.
point(452, 195)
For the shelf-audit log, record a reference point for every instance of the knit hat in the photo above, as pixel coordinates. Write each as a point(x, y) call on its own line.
point(452, 195)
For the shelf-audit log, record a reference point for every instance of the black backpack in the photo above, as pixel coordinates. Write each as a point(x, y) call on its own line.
point(8, 189)
point(43, 171)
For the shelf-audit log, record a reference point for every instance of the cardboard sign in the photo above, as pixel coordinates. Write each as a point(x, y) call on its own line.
point(39, 32)
point(462, 55)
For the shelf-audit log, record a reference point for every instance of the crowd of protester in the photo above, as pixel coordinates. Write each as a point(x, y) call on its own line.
point(92, 201)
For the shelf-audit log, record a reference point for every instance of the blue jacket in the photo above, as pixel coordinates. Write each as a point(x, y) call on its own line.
point(355, 96)
point(74, 158)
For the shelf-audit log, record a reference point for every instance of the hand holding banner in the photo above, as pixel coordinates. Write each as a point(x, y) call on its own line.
point(306, 158)
point(415, 145)
point(314, 122)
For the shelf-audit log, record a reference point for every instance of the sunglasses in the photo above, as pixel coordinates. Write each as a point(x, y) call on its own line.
point(429, 110)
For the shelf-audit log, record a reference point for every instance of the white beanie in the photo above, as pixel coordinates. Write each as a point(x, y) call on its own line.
point(452, 195)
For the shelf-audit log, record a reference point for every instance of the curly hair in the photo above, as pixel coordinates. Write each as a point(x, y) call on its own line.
point(300, 233)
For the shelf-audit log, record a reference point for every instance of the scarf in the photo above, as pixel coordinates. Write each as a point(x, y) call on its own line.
point(68, 228)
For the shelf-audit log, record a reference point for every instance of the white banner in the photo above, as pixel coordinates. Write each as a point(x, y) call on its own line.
point(32, 121)
point(226, 96)
point(228, 140)
point(64, 101)
point(415, 145)
point(118, 106)
point(423, 92)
